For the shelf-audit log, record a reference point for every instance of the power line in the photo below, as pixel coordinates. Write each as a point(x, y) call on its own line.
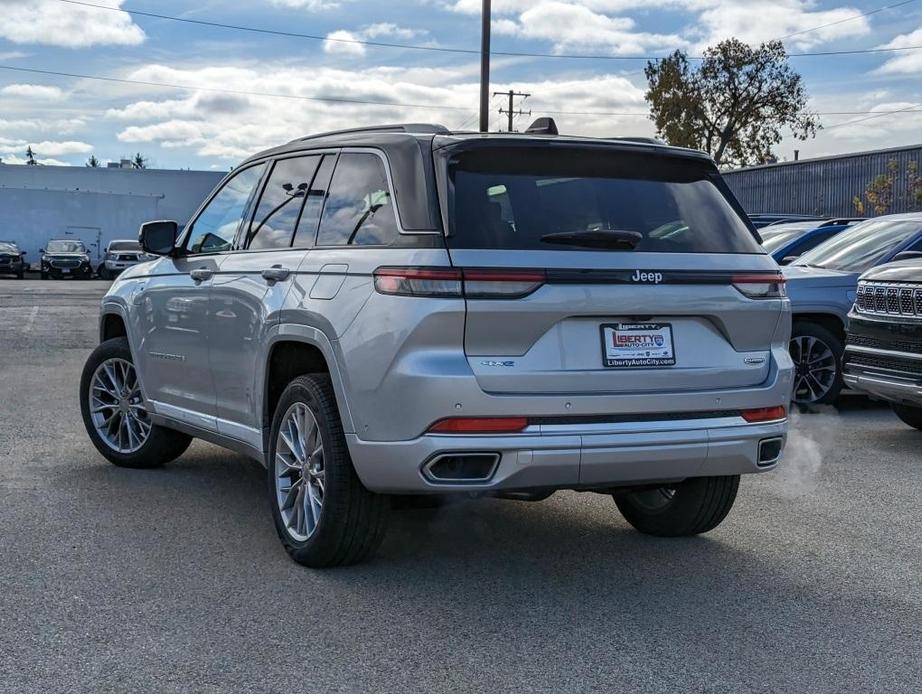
point(241, 92)
point(464, 51)
point(916, 108)
point(909, 109)
point(847, 19)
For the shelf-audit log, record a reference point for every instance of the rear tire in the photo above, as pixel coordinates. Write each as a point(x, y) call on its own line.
point(44, 275)
point(910, 415)
point(103, 273)
point(323, 514)
point(695, 506)
point(817, 355)
point(160, 446)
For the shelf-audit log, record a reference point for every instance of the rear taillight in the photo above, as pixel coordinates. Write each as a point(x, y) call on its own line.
point(764, 414)
point(499, 284)
point(479, 425)
point(408, 281)
point(474, 283)
point(760, 285)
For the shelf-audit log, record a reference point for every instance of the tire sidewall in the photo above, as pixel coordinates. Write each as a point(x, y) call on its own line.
point(116, 348)
point(304, 391)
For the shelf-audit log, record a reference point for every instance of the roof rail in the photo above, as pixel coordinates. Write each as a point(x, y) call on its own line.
point(644, 140)
point(421, 128)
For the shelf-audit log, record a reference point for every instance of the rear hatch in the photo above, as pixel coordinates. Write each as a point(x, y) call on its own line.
point(606, 269)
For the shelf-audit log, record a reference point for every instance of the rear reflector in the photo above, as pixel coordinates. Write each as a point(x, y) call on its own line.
point(760, 285)
point(764, 414)
point(473, 283)
point(479, 425)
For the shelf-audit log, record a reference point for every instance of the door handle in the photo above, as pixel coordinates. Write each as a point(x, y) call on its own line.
point(201, 274)
point(276, 273)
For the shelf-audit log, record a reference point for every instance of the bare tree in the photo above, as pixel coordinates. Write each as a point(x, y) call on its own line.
point(92, 162)
point(139, 161)
point(30, 156)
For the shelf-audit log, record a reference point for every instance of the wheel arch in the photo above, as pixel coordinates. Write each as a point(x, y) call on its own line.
point(295, 350)
point(831, 321)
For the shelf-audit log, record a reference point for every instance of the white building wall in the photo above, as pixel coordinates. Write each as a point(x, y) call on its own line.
point(96, 205)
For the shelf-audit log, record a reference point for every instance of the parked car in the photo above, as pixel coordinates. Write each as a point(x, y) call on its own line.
point(883, 355)
point(764, 219)
point(12, 259)
point(822, 285)
point(65, 258)
point(788, 241)
point(432, 312)
point(120, 255)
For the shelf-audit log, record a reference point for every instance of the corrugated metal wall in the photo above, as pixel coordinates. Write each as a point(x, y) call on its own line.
point(823, 187)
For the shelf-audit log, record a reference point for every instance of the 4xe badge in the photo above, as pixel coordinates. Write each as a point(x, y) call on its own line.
point(652, 277)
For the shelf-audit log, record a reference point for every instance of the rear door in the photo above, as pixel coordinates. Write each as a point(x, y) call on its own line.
point(607, 271)
point(249, 289)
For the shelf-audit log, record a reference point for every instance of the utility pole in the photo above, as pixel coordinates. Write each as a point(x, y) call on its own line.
point(511, 112)
point(485, 67)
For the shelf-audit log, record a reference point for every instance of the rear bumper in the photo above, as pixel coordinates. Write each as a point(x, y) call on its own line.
point(586, 456)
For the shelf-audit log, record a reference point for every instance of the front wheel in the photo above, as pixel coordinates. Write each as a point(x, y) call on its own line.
point(695, 506)
point(114, 414)
point(910, 415)
point(323, 514)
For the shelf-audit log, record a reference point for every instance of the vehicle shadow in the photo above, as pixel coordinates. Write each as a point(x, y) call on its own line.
point(563, 587)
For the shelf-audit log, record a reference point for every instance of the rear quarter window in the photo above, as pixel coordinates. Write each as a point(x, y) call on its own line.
point(511, 198)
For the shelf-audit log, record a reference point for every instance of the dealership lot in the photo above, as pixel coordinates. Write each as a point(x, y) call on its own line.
point(116, 579)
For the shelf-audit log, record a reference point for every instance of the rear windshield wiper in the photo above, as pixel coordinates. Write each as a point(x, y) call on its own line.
point(609, 239)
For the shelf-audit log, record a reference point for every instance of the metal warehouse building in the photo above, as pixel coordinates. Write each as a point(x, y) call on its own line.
point(94, 205)
point(825, 187)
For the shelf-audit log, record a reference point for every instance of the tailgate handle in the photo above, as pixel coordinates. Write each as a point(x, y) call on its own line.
point(276, 273)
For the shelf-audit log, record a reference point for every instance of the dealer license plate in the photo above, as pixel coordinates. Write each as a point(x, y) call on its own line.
point(628, 345)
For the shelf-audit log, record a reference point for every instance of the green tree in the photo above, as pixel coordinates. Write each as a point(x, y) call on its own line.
point(92, 162)
point(733, 105)
point(139, 161)
point(30, 156)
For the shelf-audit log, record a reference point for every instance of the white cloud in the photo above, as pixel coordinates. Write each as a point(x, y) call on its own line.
point(59, 126)
point(231, 128)
point(310, 5)
point(57, 24)
point(907, 62)
point(602, 23)
point(51, 148)
point(342, 43)
point(345, 42)
point(33, 91)
point(14, 159)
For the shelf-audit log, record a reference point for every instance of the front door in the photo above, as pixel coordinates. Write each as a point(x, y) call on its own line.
point(172, 307)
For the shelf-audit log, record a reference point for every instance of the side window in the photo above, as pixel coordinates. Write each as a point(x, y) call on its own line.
point(313, 205)
point(359, 208)
point(277, 213)
point(214, 229)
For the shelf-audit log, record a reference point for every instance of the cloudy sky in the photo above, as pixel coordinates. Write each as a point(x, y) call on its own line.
point(247, 90)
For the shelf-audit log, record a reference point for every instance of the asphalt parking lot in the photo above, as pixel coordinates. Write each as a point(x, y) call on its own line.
point(173, 579)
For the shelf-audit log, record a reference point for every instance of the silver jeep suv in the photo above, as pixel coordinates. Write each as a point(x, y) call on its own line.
point(405, 310)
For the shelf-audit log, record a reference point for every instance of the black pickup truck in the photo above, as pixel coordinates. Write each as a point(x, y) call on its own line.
point(883, 354)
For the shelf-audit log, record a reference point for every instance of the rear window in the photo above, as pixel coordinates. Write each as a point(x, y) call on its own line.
point(124, 246)
point(512, 198)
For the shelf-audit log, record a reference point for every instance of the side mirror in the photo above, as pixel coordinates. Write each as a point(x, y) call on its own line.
point(908, 255)
point(788, 259)
point(158, 238)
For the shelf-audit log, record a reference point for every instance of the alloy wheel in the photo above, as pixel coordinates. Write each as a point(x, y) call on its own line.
point(116, 406)
point(299, 472)
point(815, 368)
